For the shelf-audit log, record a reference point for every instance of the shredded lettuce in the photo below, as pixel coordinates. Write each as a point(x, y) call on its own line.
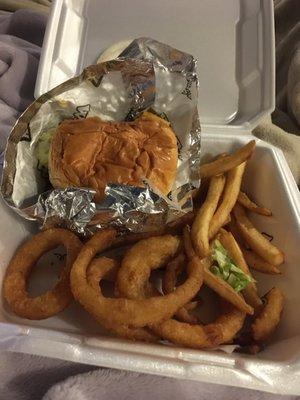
point(43, 148)
point(227, 270)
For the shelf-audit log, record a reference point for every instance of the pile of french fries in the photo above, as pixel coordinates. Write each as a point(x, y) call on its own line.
point(223, 215)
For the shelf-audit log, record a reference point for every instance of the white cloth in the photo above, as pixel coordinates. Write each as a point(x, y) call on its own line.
point(27, 377)
point(117, 385)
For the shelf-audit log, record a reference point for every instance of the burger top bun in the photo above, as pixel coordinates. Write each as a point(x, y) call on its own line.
point(91, 153)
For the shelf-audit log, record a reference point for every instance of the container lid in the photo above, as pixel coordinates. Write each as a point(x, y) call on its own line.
point(232, 40)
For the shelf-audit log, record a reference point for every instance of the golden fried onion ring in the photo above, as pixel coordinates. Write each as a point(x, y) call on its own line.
point(138, 262)
point(14, 286)
point(268, 319)
point(107, 268)
point(221, 331)
point(173, 269)
point(121, 311)
point(195, 336)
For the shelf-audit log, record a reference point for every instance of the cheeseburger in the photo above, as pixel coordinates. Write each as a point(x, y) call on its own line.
point(92, 153)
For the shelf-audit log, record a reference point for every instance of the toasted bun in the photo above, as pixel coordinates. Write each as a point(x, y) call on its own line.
point(91, 153)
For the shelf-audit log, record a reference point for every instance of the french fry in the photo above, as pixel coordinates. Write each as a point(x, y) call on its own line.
point(244, 201)
point(177, 225)
point(224, 290)
point(255, 239)
point(233, 228)
point(218, 285)
point(256, 262)
point(229, 198)
point(224, 164)
point(199, 194)
point(266, 322)
point(253, 260)
point(228, 219)
point(229, 243)
point(200, 227)
point(187, 242)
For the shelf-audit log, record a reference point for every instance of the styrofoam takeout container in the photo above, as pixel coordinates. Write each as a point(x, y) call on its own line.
point(234, 44)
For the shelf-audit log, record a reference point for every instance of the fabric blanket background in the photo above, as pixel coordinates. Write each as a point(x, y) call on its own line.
point(21, 38)
point(286, 117)
point(24, 377)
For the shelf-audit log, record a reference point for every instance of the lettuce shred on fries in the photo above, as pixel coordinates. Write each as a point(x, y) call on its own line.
point(226, 269)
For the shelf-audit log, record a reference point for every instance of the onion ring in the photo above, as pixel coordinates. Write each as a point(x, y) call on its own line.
point(195, 336)
point(14, 286)
point(107, 268)
point(102, 268)
point(141, 259)
point(222, 330)
point(172, 271)
point(266, 322)
point(121, 311)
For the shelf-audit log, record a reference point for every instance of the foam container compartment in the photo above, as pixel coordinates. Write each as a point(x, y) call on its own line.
point(234, 43)
point(232, 40)
point(72, 335)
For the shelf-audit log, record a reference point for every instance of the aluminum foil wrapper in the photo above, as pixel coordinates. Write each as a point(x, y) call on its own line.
point(147, 75)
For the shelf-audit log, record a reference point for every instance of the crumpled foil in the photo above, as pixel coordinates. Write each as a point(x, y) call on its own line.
point(147, 75)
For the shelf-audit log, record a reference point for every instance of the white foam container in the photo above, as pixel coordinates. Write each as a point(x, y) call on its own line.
point(234, 43)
